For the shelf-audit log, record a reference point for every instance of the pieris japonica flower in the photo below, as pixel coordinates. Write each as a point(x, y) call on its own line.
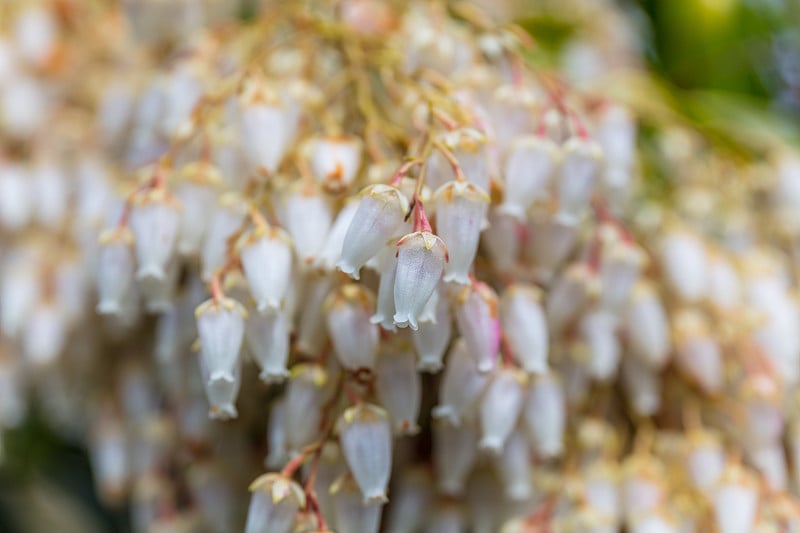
point(332, 251)
point(477, 317)
point(197, 193)
point(334, 160)
point(264, 126)
point(735, 500)
point(155, 222)
point(724, 283)
point(16, 197)
point(220, 327)
point(45, 334)
point(524, 326)
point(349, 511)
point(461, 386)
point(642, 385)
point(267, 337)
point(353, 335)
point(684, 262)
point(514, 468)
point(643, 483)
point(580, 168)
point(544, 415)
point(705, 460)
point(304, 398)
point(616, 134)
point(110, 456)
point(500, 408)
point(311, 328)
point(277, 452)
point(697, 352)
point(620, 266)
point(267, 260)
point(470, 148)
point(386, 261)
point(549, 242)
point(597, 329)
point(601, 489)
point(646, 326)
point(366, 439)
point(431, 339)
point(306, 215)
point(274, 502)
point(226, 220)
point(455, 450)
point(378, 218)
point(460, 216)
point(115, 270)
point(51, 193)
point(502, 239)
point(399, 387)
point(530, 164)
point(421, 258)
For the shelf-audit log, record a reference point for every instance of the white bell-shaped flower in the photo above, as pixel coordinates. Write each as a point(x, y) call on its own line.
point(155, 222)
point(580, 168)
point(455, 450)
point(267, 337)
point(421, 258)
point(266, 255)
point(514, 468)
point(643, 484)
point(35, 32)
point(620, 267)
point(277, 448)
point(697, 351)
point(20, 289)
point(477, 317)
point(500, 408)
point(735, 500)
point(159, 294)
point(332, 251)
point(597, 329)
point(548, 244)
point(45, 334)
point(646, 326)
point(724, 283)
point(379, 217)
point(306, 214)
point(110, 452)
point(264, 126)
point(305, 394)
point(220, 327)
point(461, 386)
point(399, 387)
point(51, 193)
point(334, 160)
point(432, 338)
point(461, 209)
point(366, 439)
point(471, 150)
point(770, 462)
point(502, 241)
point(222, 391)
point(182, 88)
point(601, 489)
point(197, 193)
point(544, 414)
point(684, 262)
point(353, 335)
point(705, 460)
point(115, 270)
point(311, 329)
point(349, 511)
point(226, 220)
point(16, 197)
point(642, 385)
point(529, 167)
point(386, 262)
point(274, 502)
point(525, 326)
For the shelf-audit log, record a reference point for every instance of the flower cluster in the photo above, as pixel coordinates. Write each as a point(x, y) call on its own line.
point(380, 252)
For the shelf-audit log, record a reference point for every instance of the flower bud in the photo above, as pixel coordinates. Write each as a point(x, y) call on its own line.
point(525, 327)
point(399, 388)
point(332, 251)
point(226, 220)
point(501, 240)
point(770, 462)
point(264, 127)
point(461, 386)
point(155, 222)
point(274, 502)
point(514, 468)
point(735, 500)
point(431, 339)
point(197, 194)
point(220, 326)
point(354, 337)
point(580, 166)
point(334, 161)
point(455, 450)
point(698, 353)
point(530, 164)
point(114, 270)
point(549, 242)
point(544, 415)
point(266, 255)
point(570, 293)
point(378, 218)
point(684, 264)
point(267, 339)
point(500, 408)
point(306, 215)
point(646, 326)
point(598, 330)
point(620, 267)
point(366, 439)
point(478, 322)
point(421, 257)
point(350, 512)
point(304, 398)
point(460, 215)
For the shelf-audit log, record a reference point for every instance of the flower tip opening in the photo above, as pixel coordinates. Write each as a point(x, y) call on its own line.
point(350, 270)
point(223, 412)
point(430, 367)
point(273, 377)
point(406, 321)
point(108, 308)
point(457, 277)
point(491, 445)
point(151, 272)
point(375, 498)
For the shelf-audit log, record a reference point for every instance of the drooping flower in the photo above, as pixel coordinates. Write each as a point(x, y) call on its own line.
point(366, 439)
point(354, 336)
point(274, 502)
point(421, 257)
point(267, 260)
point(461, 209)
point(155, 222)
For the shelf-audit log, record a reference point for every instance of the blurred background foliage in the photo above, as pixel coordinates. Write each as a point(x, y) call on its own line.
point(728, 68)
